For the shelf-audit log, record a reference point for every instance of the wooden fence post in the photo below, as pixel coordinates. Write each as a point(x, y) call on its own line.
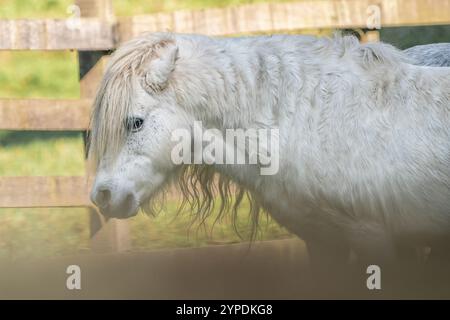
point(370, 36)
point(107, 235)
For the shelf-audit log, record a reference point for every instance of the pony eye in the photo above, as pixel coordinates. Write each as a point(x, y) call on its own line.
point(135, 124)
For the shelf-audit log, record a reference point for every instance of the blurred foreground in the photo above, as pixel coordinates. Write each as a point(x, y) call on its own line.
point(276, 269)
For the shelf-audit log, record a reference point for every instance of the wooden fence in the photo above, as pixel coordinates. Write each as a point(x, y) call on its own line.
point(97, 31)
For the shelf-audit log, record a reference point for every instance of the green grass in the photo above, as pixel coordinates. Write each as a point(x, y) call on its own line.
point(39, 74)
point(14, 9)
point(26, 233)
point(41, 154)
point(136, 7)
point(170, 230)
point(59, 8)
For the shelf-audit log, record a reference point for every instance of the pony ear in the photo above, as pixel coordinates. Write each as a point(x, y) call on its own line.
point(159, 70)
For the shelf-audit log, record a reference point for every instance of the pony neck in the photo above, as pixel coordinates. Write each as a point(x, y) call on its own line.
point(228, 89)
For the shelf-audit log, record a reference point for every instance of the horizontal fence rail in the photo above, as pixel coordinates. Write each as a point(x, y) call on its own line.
point(29, 192)
point(273, 17)
point(103, 34)
point(53, 34)
point(44, 114)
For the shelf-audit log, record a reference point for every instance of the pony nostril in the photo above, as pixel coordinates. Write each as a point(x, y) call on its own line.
point(103, 198)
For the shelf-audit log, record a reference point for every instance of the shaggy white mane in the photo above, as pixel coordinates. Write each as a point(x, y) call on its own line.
point(114, 98)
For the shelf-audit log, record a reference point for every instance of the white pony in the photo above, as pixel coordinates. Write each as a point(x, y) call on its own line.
point(364, 136)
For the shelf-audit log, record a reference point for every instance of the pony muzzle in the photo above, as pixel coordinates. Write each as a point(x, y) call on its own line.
point(115, 203)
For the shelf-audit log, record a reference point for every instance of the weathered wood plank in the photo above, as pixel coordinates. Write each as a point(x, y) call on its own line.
point(276, 17)
point(54, 34)
point(28, 192)
point(43, 114)
point(98, 33)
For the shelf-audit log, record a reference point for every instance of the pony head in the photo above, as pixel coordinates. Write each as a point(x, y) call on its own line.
point(134, 114)
point(149, 90)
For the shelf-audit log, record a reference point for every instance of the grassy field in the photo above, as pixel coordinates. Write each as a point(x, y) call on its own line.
point(51, 232)
point(28, 233)
point(59, 8)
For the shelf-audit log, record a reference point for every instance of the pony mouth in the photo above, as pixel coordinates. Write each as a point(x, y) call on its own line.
point(118, 214)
